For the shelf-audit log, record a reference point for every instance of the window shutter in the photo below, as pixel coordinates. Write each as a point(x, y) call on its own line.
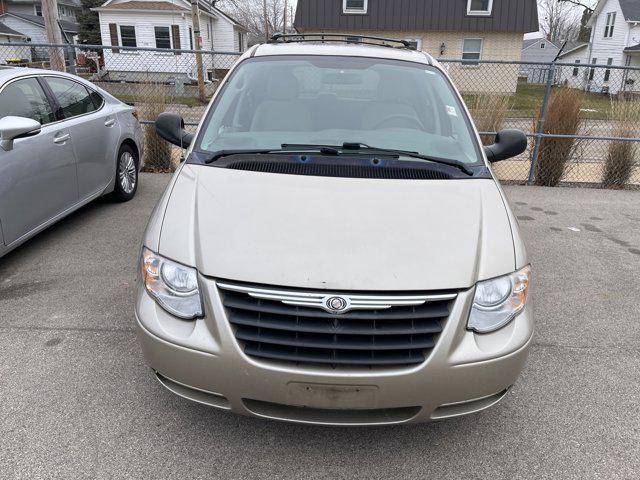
point(175, 33)
point(113, 31)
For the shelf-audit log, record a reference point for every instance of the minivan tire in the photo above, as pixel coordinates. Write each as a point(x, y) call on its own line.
point(127, 165)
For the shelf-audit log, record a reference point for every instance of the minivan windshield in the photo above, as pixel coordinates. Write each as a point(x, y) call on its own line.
point(332, 100)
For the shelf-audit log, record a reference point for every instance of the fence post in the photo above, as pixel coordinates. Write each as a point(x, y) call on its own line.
point(72, 60)
point(551, 74)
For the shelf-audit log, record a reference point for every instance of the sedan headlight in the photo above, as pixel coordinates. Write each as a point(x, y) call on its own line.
point(173, 286)
point(498, 301)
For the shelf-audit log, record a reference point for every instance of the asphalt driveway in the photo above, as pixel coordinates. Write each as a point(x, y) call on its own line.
point(77, 401)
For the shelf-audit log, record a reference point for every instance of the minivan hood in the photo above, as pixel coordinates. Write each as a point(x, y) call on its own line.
point(337, 233)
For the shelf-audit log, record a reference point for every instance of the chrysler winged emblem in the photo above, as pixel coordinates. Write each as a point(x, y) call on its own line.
point(336, 304)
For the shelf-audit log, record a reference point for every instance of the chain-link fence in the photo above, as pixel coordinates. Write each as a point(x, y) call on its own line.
point(583, 120)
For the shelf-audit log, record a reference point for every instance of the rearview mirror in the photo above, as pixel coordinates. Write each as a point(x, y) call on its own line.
point(12, 128)
point(509, 143)
point(170, 127)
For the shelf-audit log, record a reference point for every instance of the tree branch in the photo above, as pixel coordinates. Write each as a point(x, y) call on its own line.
point(578, 4)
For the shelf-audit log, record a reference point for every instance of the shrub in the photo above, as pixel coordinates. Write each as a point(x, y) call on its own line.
point(158, 152)
point(621, 156)
point(562, 118)
point(489, 114)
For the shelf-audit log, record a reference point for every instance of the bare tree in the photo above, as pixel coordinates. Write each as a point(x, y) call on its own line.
point(251, 13)
point(559, 20)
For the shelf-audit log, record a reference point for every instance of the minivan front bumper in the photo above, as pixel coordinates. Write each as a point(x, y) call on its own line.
point(201, 360)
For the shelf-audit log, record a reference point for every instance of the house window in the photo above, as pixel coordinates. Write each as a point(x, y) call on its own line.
point(38, 8)
point(610, 25)
point(355, 6)
point(592, 71)
point(415, 43)
point(479, 7)
point(607, 72)
point(190, 38)
point(471, 51)
point(128, 36)
point(240, 42)
point(163, 37)
point(576, 70)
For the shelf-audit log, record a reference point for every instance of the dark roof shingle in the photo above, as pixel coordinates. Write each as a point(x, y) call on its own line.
point(69, 27)
point(417, 15)
point(4, 30)
point(630, 10)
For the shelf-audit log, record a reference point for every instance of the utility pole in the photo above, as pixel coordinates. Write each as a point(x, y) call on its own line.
point(195, 18)
point(266, 20)
point(54, 35)
point(284, 28)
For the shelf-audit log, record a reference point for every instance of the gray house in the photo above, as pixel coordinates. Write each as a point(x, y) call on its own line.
point(466, 30)
point(32, 29)
point(67, 9)
point(537, 50)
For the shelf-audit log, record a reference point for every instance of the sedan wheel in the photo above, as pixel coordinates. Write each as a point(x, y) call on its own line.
point(126, 174)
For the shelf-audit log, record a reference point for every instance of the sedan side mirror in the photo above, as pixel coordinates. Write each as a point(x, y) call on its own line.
point(170, 127)
point(508, 144)
point(12, 128)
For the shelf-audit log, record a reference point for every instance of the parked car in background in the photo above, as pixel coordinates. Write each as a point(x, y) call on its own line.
point(335, 249)
point(63, 143)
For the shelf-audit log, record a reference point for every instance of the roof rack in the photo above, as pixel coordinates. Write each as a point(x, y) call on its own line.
point(341, 38)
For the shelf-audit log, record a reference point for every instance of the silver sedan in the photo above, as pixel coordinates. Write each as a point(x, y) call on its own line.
point(63, 143)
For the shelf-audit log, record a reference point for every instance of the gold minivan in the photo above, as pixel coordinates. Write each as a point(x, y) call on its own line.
point(335, 248)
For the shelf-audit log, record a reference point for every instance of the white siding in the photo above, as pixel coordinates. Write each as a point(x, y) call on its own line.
point(222, 38)
point(605, 48)
point(35, 32)
point(566, 73)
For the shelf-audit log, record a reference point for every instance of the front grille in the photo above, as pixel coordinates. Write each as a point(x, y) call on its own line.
point(295, 326)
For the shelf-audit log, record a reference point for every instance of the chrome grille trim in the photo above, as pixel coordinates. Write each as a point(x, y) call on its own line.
point(319, 299)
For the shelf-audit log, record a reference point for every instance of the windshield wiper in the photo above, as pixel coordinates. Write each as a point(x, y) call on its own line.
point(226, 153)
point(338, 150)
point(444, 161)
point(324, 150)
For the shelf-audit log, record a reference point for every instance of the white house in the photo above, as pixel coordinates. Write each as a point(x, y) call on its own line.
point(166, 24)
point(32, 28)
point(615, 40)
point(575, 76)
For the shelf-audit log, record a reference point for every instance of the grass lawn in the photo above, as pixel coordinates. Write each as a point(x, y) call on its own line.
point(135, 99)
point(528, 99)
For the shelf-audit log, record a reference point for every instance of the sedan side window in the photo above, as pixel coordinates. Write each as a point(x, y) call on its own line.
point(26, 98)
point(74, 99)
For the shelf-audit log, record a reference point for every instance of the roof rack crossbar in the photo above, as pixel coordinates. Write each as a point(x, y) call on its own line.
point(341, 38)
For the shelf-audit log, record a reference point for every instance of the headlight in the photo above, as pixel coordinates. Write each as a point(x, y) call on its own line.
point(173, 286)
point(498, 301)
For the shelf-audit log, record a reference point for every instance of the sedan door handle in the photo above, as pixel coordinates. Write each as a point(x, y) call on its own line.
point(110, 123)
point(62, 138)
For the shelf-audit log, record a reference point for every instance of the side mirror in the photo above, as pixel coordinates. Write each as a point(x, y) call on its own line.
point(508, 144)
point(170, 127)
point(12, 128)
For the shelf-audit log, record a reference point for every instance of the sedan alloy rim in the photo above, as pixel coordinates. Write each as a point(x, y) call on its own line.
point(127, 172)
